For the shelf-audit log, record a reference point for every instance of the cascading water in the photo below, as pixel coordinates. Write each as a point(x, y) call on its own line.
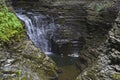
point(40, 29)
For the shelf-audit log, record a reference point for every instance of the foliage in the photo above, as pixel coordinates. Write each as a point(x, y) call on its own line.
point(9, 24)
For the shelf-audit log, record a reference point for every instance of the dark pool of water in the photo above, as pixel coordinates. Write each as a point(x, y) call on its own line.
point(67, 66)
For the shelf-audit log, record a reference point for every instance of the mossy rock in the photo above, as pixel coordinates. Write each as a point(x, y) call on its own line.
point(9, 23)
point(116, 76)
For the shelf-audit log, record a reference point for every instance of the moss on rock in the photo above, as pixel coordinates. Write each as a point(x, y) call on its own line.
point(20, 59)
point(9, 23)
point(116, 76)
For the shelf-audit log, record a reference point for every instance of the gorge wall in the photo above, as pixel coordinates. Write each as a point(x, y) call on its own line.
point(88, 23)
point(107, 66)
point(92, 25)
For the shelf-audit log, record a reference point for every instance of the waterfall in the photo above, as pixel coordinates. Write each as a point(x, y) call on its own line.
point(40, 29)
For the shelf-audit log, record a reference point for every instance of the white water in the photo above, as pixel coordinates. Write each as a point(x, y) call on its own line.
point(40, 29)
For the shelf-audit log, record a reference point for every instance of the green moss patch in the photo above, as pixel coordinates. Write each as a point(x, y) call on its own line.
point(9, 24)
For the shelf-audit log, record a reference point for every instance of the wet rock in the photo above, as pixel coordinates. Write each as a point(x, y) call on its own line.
point(117, 68)
point(20, 59)
point(31, 63)
point(107, 65)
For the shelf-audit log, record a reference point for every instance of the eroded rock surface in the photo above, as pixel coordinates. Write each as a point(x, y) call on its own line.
point(20, 59)
point(107, 66)
point(25, 61)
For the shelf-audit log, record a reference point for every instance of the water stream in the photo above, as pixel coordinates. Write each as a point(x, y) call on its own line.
point(41, 29)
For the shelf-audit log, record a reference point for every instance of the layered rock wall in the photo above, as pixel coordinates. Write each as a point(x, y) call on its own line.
point(107, 66)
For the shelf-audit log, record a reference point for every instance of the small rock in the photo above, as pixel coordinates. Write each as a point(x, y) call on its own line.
point(117, 68)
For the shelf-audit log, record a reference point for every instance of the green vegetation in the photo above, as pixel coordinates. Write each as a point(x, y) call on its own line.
point(116, 76)
point(9, 24)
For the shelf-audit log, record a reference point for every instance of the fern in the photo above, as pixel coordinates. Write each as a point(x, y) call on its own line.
point(9, 24)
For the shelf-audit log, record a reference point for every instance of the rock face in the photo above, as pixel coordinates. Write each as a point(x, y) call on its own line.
point(99, 21)
point(20, 59)
point(107, 66)
point(25, 61)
